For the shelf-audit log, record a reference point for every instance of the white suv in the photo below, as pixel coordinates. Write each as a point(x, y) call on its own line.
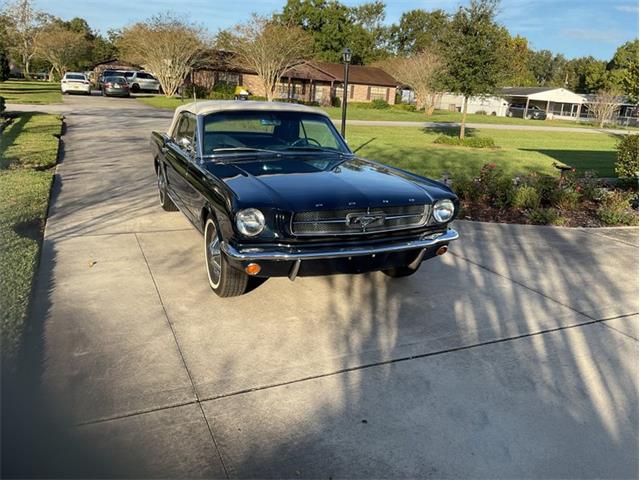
point(75, 82)
point(142, 81)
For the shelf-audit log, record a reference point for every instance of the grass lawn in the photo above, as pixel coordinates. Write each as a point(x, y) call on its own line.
point(28, 150)
point(21, 91)
point(392, 114)
point(519, 152)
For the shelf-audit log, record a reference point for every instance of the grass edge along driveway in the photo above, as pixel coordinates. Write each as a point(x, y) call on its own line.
point(28, 154)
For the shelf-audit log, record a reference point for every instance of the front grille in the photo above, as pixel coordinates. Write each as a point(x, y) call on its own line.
point(359, 221)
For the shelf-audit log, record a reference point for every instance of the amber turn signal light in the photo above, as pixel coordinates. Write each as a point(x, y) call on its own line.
point(253, 269)
point(442, 250)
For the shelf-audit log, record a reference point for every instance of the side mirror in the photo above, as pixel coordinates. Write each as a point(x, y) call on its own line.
point(185, 143)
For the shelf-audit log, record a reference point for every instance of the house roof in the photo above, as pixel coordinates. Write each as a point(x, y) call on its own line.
point(524, 91)
point(544, 94)
point(358, 74)
point(307, 70)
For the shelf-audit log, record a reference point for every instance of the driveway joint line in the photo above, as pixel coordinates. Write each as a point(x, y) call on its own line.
point(531, 289)
point(609, 237)
point(604, 324)
point(184, 362)
point(136, 232)
point(352, 369)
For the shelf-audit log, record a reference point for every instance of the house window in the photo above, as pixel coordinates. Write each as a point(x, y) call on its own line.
point(229, 78)
point(378, 93)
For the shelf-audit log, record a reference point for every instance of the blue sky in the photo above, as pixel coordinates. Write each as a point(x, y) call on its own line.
point(572, 27)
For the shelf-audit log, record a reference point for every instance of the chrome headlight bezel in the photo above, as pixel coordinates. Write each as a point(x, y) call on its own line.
point(250, 222)
point(443, 210)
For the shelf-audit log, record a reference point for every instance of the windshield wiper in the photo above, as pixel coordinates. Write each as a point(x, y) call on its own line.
point(241, 149)
point(312, 148)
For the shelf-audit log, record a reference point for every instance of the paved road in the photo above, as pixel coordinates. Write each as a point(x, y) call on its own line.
point(514, 356)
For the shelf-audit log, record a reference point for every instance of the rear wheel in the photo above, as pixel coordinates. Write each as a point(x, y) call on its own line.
point(399, 272)
point(224, 280)
point(528, 117)
point(135, 88)
point(165, 202)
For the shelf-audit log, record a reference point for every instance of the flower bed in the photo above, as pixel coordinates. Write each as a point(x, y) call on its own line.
point(545, 200)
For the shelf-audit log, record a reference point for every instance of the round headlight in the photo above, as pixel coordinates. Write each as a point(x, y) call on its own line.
point(250, 222)
point(443, 210)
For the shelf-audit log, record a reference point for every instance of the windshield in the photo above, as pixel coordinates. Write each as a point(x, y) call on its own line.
point(115, 80)
point(270, 130)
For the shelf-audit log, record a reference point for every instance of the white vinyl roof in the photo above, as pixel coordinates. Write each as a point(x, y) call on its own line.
point(206, 107)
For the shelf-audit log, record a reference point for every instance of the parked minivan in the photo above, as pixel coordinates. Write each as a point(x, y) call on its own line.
point(139, 81)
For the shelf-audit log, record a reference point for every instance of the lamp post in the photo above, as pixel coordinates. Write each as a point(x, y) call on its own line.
point(346, 59)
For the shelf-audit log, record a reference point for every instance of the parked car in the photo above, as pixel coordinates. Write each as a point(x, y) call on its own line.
point(276, 192)
point(75, 82)
point(110, 73)
point(533, 112)
point(115, 87)
point(143, 81)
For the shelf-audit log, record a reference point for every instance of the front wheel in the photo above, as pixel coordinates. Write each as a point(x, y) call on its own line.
point(224, 280)
point(399, 272)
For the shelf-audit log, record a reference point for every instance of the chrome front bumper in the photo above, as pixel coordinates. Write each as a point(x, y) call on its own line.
point(289, 253)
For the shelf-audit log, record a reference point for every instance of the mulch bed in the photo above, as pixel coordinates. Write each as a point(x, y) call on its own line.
point(585, 216)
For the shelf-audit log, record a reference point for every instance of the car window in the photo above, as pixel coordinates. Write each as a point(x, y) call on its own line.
point(115, 80)
point(71, 76)
point(145, 76)
point(129, 74)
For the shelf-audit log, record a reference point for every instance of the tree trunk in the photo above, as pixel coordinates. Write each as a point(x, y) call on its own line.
point(27, 64)
point(464, 117)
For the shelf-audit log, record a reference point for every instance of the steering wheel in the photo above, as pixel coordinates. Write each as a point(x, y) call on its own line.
point(306, 141)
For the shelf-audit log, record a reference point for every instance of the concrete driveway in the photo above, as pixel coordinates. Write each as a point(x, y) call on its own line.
point(514, 356)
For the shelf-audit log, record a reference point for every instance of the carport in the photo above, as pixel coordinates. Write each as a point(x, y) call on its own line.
point(556, 102)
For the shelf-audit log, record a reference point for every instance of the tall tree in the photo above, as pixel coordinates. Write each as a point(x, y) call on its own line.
point(61, 47)
point(334, 26)
point(475, 53)
point(266, 47)
point(422, 72)
point(623, 70)
point(24, 25)
point(165, 44)
point(418, 30)
point(519, 56)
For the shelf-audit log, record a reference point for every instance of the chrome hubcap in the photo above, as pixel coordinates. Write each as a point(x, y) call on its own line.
point(214, 257)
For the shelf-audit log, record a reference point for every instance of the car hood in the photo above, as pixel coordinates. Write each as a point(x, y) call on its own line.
point(298, 183)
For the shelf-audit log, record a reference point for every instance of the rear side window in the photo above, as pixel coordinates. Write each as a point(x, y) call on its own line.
point(146, 76)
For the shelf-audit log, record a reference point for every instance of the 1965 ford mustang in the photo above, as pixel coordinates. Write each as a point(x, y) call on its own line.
point(276, 192)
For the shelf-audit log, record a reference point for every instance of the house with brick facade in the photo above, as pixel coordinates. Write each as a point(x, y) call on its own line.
point(308, 81)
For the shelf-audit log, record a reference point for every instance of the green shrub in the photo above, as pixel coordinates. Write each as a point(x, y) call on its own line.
point(481, 112)
point(200, 91)
point(546, 186)
point(525, 198)
point(615, 209)
point(494, 186)
point(627, 158)
point(379, 104)
point(224, 88)
point(258, 98)
point(466, 188)
point(589, 185)
point(220, 96)
point(336, 102)
point(473, 142)
point(566, 199)
point(404, 106)
point(544, 216)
